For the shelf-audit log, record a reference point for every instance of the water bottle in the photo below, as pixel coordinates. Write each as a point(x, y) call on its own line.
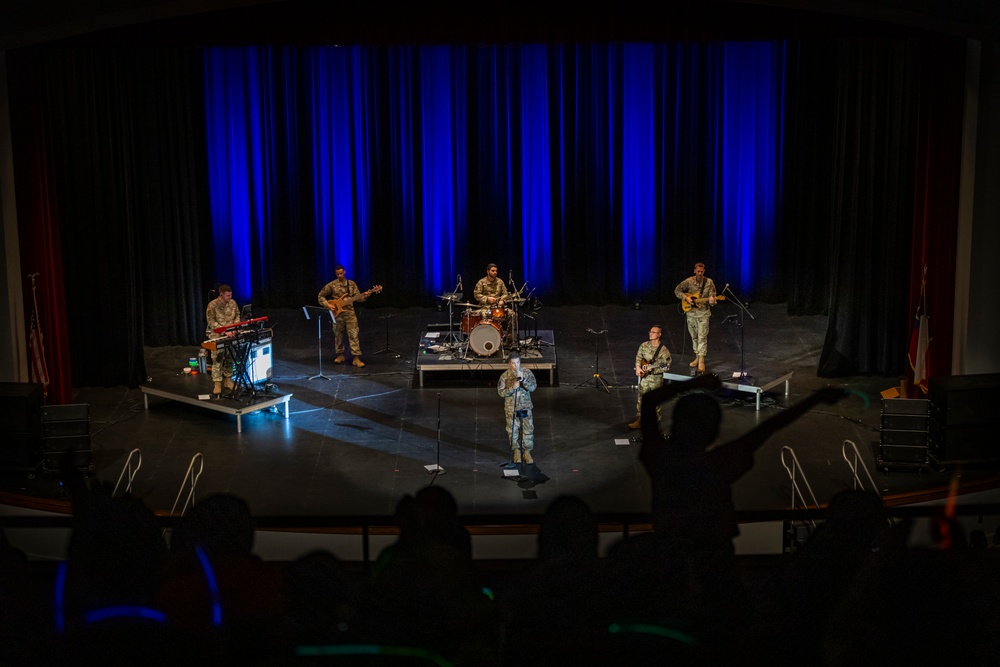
point(202, 361)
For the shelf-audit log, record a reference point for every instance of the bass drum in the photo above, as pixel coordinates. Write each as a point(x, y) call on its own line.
point(485, 338)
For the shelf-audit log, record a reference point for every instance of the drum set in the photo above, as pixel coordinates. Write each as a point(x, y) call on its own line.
point(484, 330)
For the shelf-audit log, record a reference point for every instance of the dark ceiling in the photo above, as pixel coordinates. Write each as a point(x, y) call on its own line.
point(180, 22)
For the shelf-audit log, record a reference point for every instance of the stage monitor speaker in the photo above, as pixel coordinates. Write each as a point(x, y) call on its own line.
point(960, 400)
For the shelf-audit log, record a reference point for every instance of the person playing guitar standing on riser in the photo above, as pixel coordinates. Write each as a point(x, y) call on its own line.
point(697, 294)
point(340, 295)
point(652, 360)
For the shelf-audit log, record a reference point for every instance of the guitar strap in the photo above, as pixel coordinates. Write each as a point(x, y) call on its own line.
point(656, 354)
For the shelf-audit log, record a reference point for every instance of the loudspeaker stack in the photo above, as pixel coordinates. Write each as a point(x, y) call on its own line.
point(904, 434)
point(965, 419)
point(66, 438)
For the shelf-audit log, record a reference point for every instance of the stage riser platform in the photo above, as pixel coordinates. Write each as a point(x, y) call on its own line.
point(436, 355)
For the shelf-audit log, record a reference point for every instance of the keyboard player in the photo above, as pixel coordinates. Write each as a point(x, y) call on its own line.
point(221, 312)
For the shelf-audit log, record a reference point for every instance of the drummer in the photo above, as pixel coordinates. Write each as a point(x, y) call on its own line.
point(491, 293)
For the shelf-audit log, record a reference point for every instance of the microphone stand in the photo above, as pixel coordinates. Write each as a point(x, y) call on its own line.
point(744, 378)
point(451, 299)
point(435, 468)
point(599, 382)
point(319, 335)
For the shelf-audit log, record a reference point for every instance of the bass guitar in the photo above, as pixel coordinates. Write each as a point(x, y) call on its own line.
point(699, 302)
point(338, 305)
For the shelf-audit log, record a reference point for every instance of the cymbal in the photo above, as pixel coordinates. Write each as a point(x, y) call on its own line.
point(470, 305)
point(451, 296)
point(515, 299)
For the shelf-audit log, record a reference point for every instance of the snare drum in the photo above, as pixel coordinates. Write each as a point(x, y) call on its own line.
point(470, 319)
point(485, 338)
point(498, 312)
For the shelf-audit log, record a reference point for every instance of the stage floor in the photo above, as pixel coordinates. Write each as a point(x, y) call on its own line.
point(356, 440)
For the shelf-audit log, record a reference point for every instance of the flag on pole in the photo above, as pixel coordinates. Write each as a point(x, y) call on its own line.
point(36, 346)
point(919, 341)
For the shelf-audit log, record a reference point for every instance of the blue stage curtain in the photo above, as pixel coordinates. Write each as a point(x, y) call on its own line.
point(594, 173)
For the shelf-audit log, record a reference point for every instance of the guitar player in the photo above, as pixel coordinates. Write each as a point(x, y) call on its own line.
point(347, 320)
point(698, 292)
point(651, 360)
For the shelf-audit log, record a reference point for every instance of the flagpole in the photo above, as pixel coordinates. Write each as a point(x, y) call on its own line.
point(36, 342)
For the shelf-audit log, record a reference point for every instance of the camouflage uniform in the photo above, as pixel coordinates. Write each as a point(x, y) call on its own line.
point(697, 318)
point(654, 379)
point(219, 314)
point(485, 289)
point(348, 319)
point(518, 398)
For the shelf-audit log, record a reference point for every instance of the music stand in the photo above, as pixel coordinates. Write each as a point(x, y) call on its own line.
point(386, 349)
point(319, 334)
point(745, 377)
point(599, 382)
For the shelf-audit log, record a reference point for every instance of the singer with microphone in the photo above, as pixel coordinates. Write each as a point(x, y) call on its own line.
point(515, 386)
point(697, 295)
point(490, 291)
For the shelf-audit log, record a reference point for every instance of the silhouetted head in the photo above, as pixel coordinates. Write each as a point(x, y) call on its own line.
point(696, 420)
point(568, 528)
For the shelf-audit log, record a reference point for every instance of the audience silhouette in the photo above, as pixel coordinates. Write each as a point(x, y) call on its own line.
point(853, 592)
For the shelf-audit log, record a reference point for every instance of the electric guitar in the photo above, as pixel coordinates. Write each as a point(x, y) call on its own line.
point(651, 369)
point(699, 303)
point(338, 305)
point(658, 364)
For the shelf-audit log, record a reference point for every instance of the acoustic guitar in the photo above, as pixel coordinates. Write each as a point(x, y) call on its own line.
point(699, 302)
point(338, 305)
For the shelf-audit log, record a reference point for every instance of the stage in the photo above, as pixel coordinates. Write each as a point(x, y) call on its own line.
point(435, 355)
point(351, 441)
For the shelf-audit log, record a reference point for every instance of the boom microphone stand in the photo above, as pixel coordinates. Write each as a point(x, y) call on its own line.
point(319, 334)
point(599, 382)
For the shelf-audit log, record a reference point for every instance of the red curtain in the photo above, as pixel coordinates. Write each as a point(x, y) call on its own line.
point(935, 211)
point(38, 229)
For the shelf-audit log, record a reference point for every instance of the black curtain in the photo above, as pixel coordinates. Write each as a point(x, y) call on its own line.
point(851, 190)
point(130, 194)
point(126, 127)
